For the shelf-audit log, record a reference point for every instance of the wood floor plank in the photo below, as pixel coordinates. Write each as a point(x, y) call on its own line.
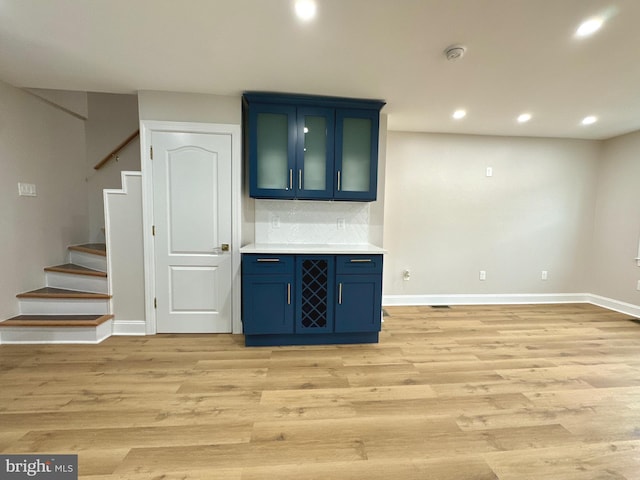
point(76, 440)
point(171, 459)
point(619, 460)
point(462, 393)
point(362, 429)
point(335, 395)
point(459, 468)
point(192, 474)
point(453, 406)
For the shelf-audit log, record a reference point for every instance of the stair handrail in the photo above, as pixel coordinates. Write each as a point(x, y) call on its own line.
point(115, 151)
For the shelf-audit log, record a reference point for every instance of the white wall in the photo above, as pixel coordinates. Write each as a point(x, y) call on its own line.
point(43, 145)
point(445, 220)
point(616, 234)
point(112, 118)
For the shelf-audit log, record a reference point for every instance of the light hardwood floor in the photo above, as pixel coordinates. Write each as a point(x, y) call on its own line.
point(500, 392)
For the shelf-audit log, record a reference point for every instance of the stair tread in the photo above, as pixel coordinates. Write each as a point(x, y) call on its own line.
point(95, 248)
point(50, 292)
point(75, 269)
point(56, 321)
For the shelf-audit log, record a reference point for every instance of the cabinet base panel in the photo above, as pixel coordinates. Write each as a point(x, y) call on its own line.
point(309, 339)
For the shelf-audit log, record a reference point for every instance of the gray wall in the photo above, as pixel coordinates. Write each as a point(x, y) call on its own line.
point(112, 118)
point(445, 220)
point(615, 273)
point(43, 145)
point(189, 107)
point(123, 211)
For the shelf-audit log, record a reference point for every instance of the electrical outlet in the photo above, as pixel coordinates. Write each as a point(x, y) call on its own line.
point(638, 286)
point(275, 221)
point(406, 275)
point(483, 275)
point(544, 275)
point(489, 172)
point(341, 224)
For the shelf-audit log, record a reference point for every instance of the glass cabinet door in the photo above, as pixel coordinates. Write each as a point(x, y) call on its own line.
point(356, 154)
point(272, 151)
point(315, 153)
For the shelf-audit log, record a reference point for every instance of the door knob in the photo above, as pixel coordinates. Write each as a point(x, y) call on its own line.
point(225, 247)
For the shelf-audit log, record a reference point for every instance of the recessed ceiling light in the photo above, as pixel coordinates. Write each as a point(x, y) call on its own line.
point(589, 120)
point(305, 9)
point(458, 114)
point(589, 27)
point(523, 118)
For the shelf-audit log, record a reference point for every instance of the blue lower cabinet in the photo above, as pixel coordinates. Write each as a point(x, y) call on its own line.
point(267, 294)
point(359, 305)
point(268, 305)
point(306, 300)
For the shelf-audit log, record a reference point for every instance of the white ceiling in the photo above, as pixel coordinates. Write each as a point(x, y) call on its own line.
point(521, 56)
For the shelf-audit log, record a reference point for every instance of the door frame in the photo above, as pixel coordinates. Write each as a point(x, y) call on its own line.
point(147, 128)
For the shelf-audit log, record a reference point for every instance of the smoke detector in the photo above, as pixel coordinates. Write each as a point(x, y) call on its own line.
point(454, 52)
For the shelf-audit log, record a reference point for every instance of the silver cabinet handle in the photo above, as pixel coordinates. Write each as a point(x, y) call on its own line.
point(288, 294)
point(340, 294)
point(338, 180)
point(290, 179)
point(300, 179)
point(361, 260)
point(274, 260)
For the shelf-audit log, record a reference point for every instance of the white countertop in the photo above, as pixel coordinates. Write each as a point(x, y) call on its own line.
point(329, 248)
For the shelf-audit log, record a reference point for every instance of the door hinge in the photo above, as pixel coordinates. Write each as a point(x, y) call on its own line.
point(153, 230)
point(155, 303)
point(151, 152)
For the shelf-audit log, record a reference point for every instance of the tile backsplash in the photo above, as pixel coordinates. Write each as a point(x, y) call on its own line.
point(300, 221)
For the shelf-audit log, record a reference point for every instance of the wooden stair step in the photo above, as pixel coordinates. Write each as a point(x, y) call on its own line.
point(50, 292)
point(94, 248)
point(56, 321)
point(75, 269)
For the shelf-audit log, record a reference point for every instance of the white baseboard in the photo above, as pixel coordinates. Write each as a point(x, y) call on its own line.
point(485, 299)
point(615, 305)
point(129, 327)
point(512, 299)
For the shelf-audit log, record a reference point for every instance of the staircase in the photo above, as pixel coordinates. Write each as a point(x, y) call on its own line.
point(73, 307)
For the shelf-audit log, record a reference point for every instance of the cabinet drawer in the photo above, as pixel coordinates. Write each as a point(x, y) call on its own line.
point(357, 264)
point(258, 264)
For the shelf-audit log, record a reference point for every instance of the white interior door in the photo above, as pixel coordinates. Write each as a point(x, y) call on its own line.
point(192, 219)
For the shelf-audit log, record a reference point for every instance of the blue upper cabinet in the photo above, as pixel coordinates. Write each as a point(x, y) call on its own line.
point(272, 150)
point(356, 160)
point(311, 147)
point(315, 153)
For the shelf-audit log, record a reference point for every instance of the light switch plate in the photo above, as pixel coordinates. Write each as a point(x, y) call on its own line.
point(27, 190)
